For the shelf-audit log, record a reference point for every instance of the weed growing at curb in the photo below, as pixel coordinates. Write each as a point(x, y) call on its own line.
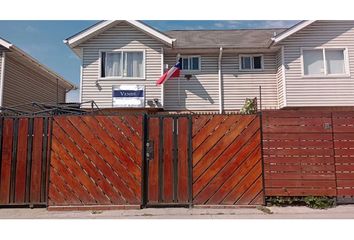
point(316, 202)
point(264, 209)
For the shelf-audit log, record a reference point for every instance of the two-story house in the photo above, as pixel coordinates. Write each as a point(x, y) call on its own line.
point(309, 64)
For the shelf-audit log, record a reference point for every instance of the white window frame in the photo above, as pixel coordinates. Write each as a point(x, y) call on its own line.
point(121, 77)
point(189, 62)
point(252, 69)
point(326, 75)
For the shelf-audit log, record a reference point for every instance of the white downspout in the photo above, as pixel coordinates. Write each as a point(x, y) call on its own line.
point(2, 79)
point(220, 82)
point(81, 74)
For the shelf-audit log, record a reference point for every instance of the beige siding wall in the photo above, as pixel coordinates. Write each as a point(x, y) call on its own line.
point(121, 36)
point(280, 79)
point(201, 92)
point(1, 59)
point(239, 85)
point(198, 93)
point(302, 91)
point(23, 84)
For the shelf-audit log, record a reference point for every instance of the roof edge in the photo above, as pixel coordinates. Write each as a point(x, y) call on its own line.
point(290, 31)
point(68, 85)
point(76, 39)
point(5, 43)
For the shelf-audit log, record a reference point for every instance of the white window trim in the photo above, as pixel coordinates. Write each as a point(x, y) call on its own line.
point(326, 75)
point(189, 70)
point(251, 69)
point(122, 77)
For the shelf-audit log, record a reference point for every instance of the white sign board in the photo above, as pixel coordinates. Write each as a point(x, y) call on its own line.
point(128, 96)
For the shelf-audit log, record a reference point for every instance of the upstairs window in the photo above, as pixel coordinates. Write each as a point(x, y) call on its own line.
point(122, 64)
point(191, 63)
point(324, 62)
point(251, 62)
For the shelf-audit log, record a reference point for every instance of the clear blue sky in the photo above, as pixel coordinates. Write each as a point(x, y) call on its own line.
point(44, 39)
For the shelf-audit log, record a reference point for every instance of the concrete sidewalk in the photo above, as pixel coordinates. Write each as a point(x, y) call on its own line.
point(340, 212)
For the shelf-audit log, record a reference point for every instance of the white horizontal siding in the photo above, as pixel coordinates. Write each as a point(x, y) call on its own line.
point(201, 91)
point(23, 85)
point(121, 36)
point(239, 85)
point(198, 93)
point(1, 59)
point(302, 91)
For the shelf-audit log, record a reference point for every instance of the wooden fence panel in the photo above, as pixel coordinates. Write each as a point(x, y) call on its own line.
point(298, 153)
point(343, 134)
point(96, 160)
point(24, 152)
point(227, 161)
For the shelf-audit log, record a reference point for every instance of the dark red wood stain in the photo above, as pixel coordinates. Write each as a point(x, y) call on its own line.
point(167, 160)
point(6, 161)
point(20, 185)
point(182, 184)
point(227, 162)
point(154, 163)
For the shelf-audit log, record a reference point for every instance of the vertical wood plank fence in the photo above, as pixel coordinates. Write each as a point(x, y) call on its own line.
point(24, 160)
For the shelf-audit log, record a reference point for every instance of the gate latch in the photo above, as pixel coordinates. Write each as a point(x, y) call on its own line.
point(327, 126)
point(149, 150)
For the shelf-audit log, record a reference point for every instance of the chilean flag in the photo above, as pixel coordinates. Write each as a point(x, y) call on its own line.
point(173, 72)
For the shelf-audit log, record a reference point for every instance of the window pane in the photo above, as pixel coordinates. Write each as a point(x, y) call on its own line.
point(257, 62)
point(313, 62)
point(335, 61)
point(113, 65)
point(245, 62)
point(134, 64)
point(195, 63)
point(185, 65)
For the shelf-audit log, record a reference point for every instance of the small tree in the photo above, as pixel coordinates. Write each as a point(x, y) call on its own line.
point(250, 106)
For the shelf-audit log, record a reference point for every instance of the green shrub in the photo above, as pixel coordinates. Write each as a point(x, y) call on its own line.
point(310, 201)
point(319, 202)
point(250, 106)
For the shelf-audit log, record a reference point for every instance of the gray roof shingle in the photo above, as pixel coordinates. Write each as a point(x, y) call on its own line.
point(242, 38)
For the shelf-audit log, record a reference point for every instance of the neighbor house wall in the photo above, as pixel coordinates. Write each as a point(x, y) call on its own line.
point(120, 36)
point(321, 91)
point(1, 61)
point(23, 84)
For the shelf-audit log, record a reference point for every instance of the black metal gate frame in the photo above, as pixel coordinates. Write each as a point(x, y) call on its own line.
point(145, 160)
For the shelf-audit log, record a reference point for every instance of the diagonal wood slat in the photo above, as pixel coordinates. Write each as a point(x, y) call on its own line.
point(96, 160)
point(227, 161)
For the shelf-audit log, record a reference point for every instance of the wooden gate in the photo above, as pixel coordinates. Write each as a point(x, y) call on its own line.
point(227, 160)
point(168, 174)
point(96, 161)
point(24, 160)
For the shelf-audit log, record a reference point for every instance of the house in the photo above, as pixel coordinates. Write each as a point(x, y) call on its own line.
point(24, 80)
point(309, 64)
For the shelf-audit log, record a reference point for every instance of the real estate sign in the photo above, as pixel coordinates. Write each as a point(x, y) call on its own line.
point(128, 96)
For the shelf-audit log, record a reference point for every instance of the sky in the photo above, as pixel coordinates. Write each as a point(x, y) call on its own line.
point(43, 40)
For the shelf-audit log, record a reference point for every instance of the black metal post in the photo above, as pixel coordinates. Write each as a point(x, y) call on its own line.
point(260, 97)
